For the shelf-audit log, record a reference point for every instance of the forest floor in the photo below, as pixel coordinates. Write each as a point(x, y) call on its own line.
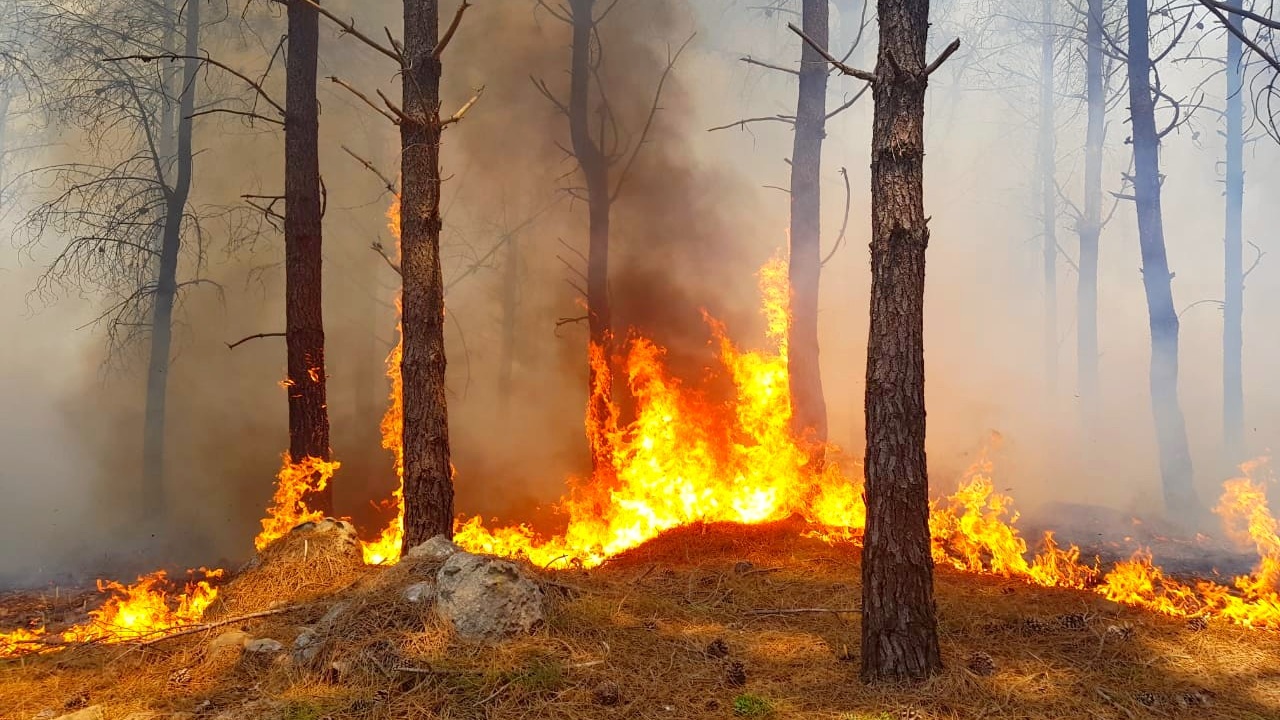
point(686, 626)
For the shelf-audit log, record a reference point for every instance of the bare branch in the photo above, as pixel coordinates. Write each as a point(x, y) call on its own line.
point(386, 181)
point(937, 63)
point(648, 123)
point(742, 124)
point(752, 61)
point(377, 247)
point(349, 27)
point(241, 341)
point(848, 201)
point(453, 28)
point(257, 87)
point(462, 111)
point(365, 98)
point(852, 72)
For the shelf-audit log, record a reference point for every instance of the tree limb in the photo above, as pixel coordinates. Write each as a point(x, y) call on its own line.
point(377, 247)
point(852, 72)
point(386, 181)
point(937, 63)
point(349, 27)
point(848, 200)
point(241, 341)
point(462, 111)
point(365, 98)
point(648, 123)
point(453, 28)
point(752, 61)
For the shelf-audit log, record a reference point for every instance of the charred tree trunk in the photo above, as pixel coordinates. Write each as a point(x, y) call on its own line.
point(166, 289)
point(595, 171)
point(1048, 199)
point(510, 310)
point(899, 627)
point(304, 321)
point(1171, 431)
point(808, 407)
point(1090, 227)
point(1233, 305)
point(428, 475)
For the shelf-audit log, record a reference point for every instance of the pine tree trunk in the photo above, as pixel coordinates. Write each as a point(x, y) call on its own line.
point(1171, 431)
point(304, 321)
point(176, 194)
point(1233, 306)
point(595, 170)
point(808, 407)
point(1090, 228)
point(428, 475)
point(899, 627)
point(1048, 199)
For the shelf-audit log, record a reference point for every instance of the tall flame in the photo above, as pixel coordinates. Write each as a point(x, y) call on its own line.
point(288, 507)
point(386, 549)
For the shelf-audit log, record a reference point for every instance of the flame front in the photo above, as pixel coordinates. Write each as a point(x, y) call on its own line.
point(288, 508)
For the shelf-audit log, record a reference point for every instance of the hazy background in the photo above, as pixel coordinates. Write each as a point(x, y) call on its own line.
point(695, 222)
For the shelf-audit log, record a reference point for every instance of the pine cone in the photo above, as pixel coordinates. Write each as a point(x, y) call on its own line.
point(179, 678)
point(717, 649)
point(77, 701)
point(742, 567)
point(909, 713)
point(1198, 623)
point(1196, 698)
point(982, 664)
point(737, 674)
point(381, 695)
point(1073, 621)
point(1122, 632)
point(607, 693)
point(1033, 626)
point(1146, 699)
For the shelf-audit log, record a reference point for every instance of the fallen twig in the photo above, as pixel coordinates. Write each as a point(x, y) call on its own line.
point(801, 611)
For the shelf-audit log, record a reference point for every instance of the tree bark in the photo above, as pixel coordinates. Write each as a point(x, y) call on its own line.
point(304, 321)
point(808, 407)
point(1171, 432)
point(1233, 304)
point(1090, 228)
point(595, 171)
point(1048, 198)
point(428, 475)
point(899, 626)
point(176, 194)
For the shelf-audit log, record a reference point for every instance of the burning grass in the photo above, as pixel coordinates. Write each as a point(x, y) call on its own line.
point(702, 622)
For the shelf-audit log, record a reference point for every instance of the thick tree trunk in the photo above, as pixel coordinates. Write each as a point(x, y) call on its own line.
point(166, 290)
point(1233, 306)
point(304, 322)
point(899, 627)
point(1048, 199)
point(428, 475)
point(808, 407)
point(1171, 431)
point(595, 170)
point(510, 310)
point(1090, 228)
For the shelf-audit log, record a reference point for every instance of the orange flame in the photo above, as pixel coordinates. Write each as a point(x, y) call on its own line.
point(288, 507)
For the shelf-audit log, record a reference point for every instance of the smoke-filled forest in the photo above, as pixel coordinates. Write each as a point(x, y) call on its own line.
point(639, 358)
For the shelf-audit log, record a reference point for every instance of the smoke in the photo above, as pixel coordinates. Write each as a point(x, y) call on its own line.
point(698, 213)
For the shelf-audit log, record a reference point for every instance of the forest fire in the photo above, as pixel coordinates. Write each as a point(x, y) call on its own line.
point(288, 507)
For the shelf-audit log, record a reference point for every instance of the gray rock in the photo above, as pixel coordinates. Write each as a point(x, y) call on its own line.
point(264, 645)
point(93, 712)
point(421, 592)
point(332, 616)
point(306, 646)
point(437, 548)
point(486, 599)
point(230, 639)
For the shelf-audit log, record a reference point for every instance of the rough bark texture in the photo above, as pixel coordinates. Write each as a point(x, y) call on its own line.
point(1090, 227)
point(1171, 431)
point(304, 323)
point(808, 407)
point(428, 476)
point(176, 194)
point(899, 627)
point(595, 171)
point(1233, 306)
point(1048, 198)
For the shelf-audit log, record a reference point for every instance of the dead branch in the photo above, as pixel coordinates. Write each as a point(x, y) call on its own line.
point(848, 200)
point(742, 124)
point(948, 52)
point(1256, 260)
point(386, 181)
point(752, 61)
point(1244, 37)
point(1242, 12)
point(191, 630)
point(570, 320)
point(851, 72)
point(243, 113)
point(241, 341)
point(349, 27)
point(257, 87)
point(377, 247)
point(462, 111)
point(365, 98)
point(763, 612)
point(849, 104)
point(648, 123)
point(395, 109)
point(453, 28)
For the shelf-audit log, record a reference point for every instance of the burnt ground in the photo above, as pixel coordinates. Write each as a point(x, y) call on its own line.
point(686, 626)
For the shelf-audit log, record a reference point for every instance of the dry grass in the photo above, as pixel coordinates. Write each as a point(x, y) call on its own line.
point(641, 626)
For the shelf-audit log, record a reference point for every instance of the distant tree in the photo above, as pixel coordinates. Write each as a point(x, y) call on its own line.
point(899, 623)
point(1171, 432)
point(304, 320)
